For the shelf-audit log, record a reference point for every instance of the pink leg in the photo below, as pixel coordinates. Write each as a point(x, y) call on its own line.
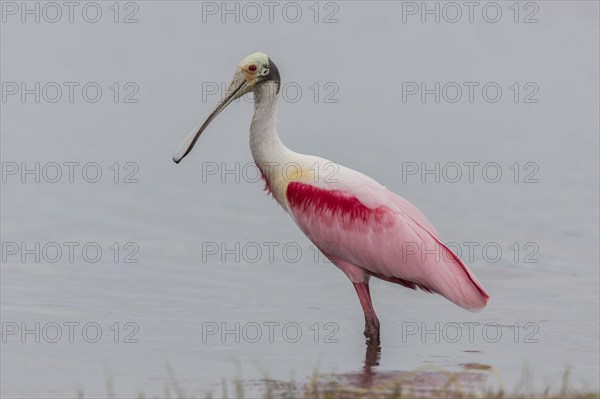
point(371, 321)
point(360, 279)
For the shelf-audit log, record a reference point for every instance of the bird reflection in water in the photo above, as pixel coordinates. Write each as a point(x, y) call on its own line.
point(372, 357)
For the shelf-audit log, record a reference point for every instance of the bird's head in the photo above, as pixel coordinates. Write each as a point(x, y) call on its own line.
point(257, 68)
point(254, 71)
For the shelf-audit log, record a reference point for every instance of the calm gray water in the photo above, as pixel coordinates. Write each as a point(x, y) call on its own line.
point(201, 272)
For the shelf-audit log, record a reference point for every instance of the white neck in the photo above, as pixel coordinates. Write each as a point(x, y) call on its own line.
point(269, 153)
point(267, 149)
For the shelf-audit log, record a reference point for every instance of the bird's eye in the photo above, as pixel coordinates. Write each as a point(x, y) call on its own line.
point(252, 68)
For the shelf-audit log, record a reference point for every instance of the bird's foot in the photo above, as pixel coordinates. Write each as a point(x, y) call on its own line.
point(372, 330)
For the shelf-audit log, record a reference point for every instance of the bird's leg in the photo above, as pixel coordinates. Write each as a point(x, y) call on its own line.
point(371, 321)
point(360, 279)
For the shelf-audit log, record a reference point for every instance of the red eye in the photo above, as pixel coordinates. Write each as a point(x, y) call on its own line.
point(252, 68)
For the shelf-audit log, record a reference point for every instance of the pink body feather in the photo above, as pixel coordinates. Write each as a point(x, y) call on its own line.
point(381, 235)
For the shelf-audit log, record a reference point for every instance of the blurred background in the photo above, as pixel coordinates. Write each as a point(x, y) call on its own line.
point(118, 264)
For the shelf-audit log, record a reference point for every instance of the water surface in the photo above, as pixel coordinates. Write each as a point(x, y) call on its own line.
point(544, 309)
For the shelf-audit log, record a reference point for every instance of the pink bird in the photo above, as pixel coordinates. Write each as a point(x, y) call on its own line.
point(363, 228)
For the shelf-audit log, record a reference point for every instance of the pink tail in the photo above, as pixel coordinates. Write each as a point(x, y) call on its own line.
point(460, 285)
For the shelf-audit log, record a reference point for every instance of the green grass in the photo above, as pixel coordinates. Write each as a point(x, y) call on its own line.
point(419, 384)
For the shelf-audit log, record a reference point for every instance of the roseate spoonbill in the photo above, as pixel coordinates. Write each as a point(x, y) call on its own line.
point(363, 228)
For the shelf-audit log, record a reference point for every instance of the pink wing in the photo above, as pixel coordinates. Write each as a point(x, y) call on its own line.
point(360, 222)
